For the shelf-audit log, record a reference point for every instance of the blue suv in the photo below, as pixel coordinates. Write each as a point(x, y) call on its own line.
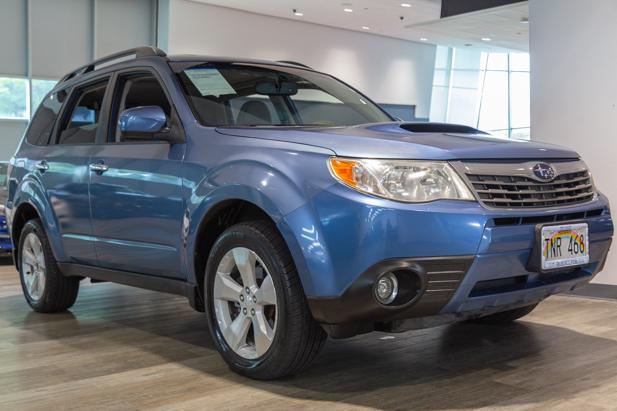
point(287, 206)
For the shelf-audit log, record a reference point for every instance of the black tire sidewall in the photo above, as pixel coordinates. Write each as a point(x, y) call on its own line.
point(35, 227)
point(243, 236)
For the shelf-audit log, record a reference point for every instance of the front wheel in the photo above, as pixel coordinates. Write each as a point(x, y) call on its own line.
point(257, 311)
point(45, 288)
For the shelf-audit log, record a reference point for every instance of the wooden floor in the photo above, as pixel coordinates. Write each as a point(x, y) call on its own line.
point(123, 348)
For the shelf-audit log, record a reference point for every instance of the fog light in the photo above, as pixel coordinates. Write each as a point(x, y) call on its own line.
point(386, 288)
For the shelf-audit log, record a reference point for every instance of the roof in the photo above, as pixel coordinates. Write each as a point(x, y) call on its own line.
point(154, 52)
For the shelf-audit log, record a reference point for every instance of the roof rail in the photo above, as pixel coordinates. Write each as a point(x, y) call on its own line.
point(138, 52)
point(294, 63)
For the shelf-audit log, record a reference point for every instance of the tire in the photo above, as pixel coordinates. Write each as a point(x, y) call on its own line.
point(54, 292)
point(505, 317)
point(294, 337)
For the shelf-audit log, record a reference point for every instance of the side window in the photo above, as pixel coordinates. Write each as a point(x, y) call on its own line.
point(43, 122)
point(137, 90)
point(82, 122)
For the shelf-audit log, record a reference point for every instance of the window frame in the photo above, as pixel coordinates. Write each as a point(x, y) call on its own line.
point(112, 116)
point(69, 105)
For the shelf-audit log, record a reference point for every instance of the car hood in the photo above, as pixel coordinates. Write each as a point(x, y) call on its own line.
point(391, 140)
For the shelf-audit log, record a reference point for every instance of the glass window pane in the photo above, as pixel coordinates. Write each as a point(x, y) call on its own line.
point(467, 59)
point(442, 57)
point(13, 98)
point(210, 86)
point(439, 104)
point(494, 109)
point(463, 106)
point(40, 88)
point(498, 133)
point(497, 61)
point(503, 111)
point(519, 100)
point(483, 60)
point(520, 133)
point(519, 61)
point(44, 120)
point(84, 119)
point(466, 78)
point(441, 77)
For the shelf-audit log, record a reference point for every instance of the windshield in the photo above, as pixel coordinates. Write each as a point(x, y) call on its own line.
point(256, 95)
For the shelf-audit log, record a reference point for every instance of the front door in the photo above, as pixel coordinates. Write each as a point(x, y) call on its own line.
point(136, 190)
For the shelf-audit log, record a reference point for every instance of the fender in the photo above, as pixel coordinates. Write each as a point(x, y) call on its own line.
point(254, 182)
point(30, 192)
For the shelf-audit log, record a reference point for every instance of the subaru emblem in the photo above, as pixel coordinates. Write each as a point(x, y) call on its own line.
point(544, 171)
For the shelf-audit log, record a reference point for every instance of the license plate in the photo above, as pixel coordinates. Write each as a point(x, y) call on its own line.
point(564, 246)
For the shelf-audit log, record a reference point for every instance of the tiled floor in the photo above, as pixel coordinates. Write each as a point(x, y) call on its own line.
point(123, 348)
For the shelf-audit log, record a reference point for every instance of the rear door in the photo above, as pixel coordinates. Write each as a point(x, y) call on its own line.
point(136, 188)
point(61, 162)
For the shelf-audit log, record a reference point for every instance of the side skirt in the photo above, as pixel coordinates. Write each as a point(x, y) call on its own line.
point(148, 282)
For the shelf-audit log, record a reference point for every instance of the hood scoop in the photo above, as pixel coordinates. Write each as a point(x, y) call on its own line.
point(440, 128)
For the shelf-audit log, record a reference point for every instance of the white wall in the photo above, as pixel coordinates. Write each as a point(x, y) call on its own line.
point(574, 87)
point(387, 70)
point(44, 39)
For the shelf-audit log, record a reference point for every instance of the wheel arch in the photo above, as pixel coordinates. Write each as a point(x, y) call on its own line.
point(28, 203)
point(222, 215)
point(23, 213)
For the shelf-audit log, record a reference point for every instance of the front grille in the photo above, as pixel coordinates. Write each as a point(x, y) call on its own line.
point(507, 191)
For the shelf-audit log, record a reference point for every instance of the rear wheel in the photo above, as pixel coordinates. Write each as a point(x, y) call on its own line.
point(505, 317)
point(256, 307)
point(45, 288)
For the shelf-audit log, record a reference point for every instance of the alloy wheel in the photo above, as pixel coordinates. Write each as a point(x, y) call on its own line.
point(33, 266)
point(245, 303)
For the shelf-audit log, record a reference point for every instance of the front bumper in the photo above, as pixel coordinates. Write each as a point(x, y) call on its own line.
point(453, 288)
point(472, 261)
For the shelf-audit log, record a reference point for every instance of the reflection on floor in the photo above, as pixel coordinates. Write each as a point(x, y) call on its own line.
point(124, 348)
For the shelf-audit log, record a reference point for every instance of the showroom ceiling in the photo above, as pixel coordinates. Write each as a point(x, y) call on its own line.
point(500, 27)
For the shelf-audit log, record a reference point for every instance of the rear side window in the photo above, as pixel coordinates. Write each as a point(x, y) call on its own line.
point(82, 123)
point(43, 122)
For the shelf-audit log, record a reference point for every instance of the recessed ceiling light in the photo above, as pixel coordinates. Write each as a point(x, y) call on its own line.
point(405, 5)
point(423, 39)
point(486, 39)
point(366, 28)
point(348, 10)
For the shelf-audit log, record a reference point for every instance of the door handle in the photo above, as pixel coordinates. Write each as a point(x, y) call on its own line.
point(99, 168)
point(42, 166)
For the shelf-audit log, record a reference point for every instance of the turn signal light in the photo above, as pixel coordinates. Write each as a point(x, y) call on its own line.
point(344, 170)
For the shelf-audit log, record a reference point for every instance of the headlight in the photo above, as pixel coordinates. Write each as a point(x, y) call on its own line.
point(401, 180)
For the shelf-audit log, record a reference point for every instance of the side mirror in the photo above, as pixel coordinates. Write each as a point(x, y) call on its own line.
point(144, 123)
